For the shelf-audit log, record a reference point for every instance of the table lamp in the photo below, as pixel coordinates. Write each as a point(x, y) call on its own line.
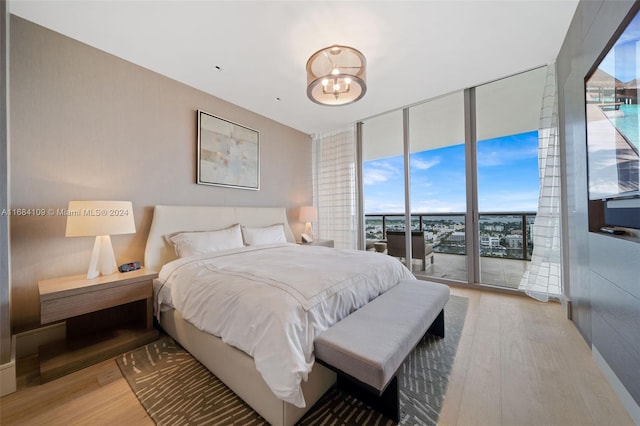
point(308, 214)
point(100, 219)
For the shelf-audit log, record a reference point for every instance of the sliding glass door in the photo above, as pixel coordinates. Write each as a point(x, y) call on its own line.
point(383, 177)
point(507, 119)
point(466, 175)
point(437, 168)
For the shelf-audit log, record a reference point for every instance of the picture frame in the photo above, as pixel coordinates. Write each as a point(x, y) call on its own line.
point(228, 153)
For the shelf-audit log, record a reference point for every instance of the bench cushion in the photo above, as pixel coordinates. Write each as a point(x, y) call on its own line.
point(372, 342)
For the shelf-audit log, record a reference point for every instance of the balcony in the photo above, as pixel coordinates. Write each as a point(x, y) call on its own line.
point(505, 243)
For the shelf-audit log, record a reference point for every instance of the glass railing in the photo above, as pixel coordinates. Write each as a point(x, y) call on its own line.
point(502, 235)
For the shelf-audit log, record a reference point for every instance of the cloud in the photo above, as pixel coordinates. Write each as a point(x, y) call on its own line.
point(489, 159)
point(375, 172)
point(383, 206)
point(507, 201)
point(439, 206)
point(423, 164)
point(372, 177)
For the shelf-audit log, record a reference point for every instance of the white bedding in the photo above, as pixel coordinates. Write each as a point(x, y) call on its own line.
point(271, 301)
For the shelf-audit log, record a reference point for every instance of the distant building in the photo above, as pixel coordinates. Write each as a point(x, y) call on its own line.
point(457, 237)
point(514, 241)
point(489, 241)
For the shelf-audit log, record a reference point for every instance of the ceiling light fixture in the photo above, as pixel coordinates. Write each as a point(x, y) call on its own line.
point(336, 75)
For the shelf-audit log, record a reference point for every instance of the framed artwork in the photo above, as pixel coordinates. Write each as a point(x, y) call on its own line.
point(228, 153)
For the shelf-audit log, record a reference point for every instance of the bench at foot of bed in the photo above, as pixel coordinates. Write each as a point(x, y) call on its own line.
point(368, 347)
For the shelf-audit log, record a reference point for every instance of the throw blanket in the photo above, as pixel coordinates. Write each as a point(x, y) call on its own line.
point(271, 301)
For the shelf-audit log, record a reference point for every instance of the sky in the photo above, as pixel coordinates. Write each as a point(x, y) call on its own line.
point(624, 68)
point(507, 178)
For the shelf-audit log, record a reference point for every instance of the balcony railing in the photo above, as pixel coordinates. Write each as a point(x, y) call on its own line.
point(502, 234)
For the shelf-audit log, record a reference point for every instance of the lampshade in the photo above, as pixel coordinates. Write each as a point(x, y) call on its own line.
point(308, 214)
point(100, 219)
point(336, 75)
point(94, 218)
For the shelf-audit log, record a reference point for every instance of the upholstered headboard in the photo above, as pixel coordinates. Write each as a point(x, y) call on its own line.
point(169, 219)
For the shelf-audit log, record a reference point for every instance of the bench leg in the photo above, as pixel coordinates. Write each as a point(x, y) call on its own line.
point(388, 403)
point(437, 327)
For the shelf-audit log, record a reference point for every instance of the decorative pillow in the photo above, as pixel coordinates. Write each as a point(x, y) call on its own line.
point(273, 234)
point(200, 242)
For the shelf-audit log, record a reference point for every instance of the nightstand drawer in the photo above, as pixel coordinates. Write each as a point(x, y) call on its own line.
point(77, 304)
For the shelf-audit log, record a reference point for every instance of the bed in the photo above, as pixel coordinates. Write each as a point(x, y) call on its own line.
point(238, 370)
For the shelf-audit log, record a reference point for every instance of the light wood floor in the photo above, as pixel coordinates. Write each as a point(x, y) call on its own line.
point(519, 362)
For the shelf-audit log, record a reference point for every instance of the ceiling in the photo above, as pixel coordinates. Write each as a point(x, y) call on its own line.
point(415, 50)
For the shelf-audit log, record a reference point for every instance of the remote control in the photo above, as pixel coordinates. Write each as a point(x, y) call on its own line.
point(610, 230)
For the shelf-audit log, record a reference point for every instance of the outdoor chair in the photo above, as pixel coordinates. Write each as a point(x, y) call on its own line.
point(420, 249)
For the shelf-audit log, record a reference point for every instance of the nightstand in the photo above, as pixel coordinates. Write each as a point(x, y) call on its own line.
point(325, 243)
point(105, 316)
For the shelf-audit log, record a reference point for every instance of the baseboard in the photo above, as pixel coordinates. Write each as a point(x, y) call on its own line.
point(27, 342)
point(8, 372)
point(627, 400)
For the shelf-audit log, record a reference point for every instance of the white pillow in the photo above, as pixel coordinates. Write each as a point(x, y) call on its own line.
point(273, 234)
point(200, 242)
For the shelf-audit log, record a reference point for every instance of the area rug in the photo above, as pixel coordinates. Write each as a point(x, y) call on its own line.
point(175, 389)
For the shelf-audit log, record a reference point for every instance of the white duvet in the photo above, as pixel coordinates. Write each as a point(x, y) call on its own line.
point(272, 301)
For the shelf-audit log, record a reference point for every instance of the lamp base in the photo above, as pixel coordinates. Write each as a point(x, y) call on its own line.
point(103, 261)
point(308, 229)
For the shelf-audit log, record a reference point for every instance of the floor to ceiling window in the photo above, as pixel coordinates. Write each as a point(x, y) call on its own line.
point(503, 179)
point(437, 168)
point(383, 177)
point(507, 118)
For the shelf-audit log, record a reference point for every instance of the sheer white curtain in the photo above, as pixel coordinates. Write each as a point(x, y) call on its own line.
point(542, 280)
point(335, 186)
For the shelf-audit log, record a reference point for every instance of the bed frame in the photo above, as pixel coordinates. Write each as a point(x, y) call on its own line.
point(234, 367)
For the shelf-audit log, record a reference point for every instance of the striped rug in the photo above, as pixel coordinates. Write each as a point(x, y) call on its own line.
point(175, 389)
